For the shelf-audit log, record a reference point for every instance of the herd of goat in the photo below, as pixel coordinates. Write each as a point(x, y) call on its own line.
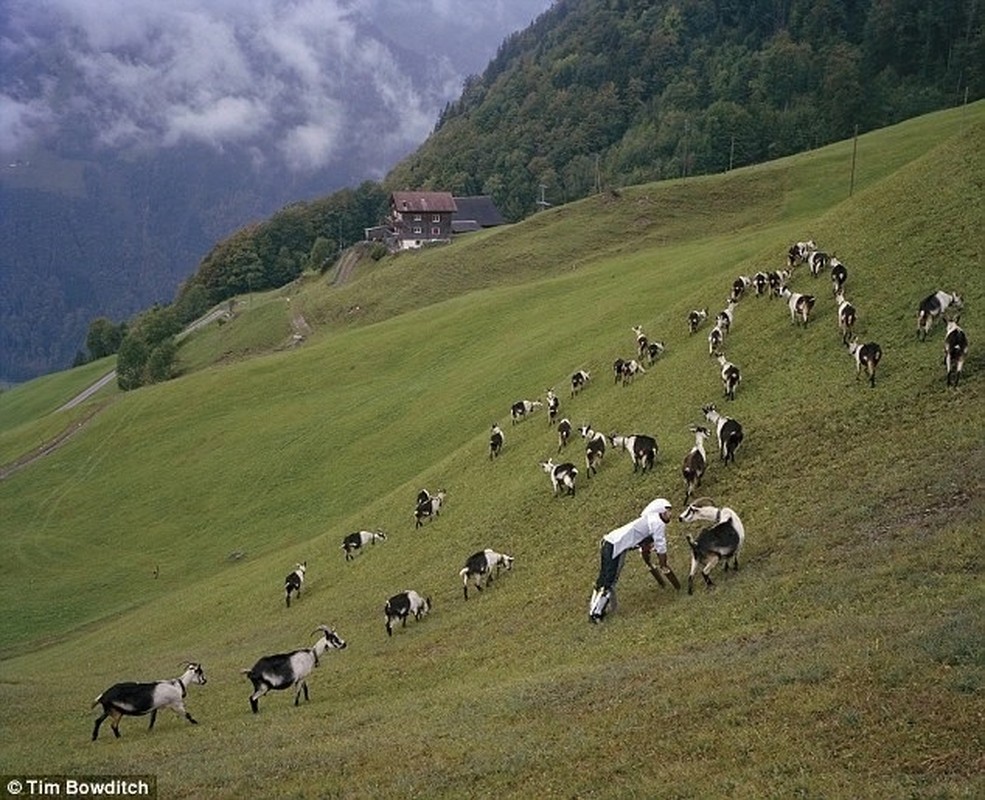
point(720, 542)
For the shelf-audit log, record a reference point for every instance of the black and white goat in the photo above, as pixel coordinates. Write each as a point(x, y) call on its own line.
point(839, 274)
point(847, 317)
point(721, 542)
point(818, 261)
point(642, 449)
point(485, 562)
point(800, 306)
point(521, 409)
point(695, 318)
point(727, 430)
point(290, 670)
point(725, 317)
point(955, 351)
point(932, 307)
point(578, 381)
point(562, 476)
point(553, 404)
point(798, 252)
point(866, 356)
point(731, 376)
point(761, 282)
point(739, 286)
point(777, 281)
point(293, 582)
point(641, 341)
point(354, 542)
point(430, 508)
point(617, 369)
point(630, 369)
point(563, 433)
point(695, 462)
point(402, 605)
point(136, 699)
point(495, 441)
point(653, 351)
point(716, 337)
point(595, 444)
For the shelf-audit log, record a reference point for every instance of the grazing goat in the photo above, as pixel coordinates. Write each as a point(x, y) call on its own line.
point(728, 431)
point(495, 442)
point(866, 355)
point(630, 369)
point(137, 699)
point(847, 317)
point(563, 433)
point(725, 317)
point(429, 509)
point(286, 670)
point(552, 406)
point(955, 351)
point(722, 541)
point(739, 286)
point(695, 462)
point(522, 408)
point(695, 318)
point(578, 381)
point(293, 582)
point(641, 341)
point(817, 261)
point(402, 605)
point(642, 449)
point(595, 444)
point(562, 476)
point(358, 540)
point(934, 306)
point(730, 376)
point(617, 366)
point(761, 282)
point(716, 337)
point(483, 563)
point(800, 306)
point(839, 274)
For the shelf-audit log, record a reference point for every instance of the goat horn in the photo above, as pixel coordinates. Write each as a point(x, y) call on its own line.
point(702, 502)
point(324, 628)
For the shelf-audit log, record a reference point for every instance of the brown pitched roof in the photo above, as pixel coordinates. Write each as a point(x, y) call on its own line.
point(426, 202)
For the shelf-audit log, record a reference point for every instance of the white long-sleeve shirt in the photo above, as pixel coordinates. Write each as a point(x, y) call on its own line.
point(647, 524)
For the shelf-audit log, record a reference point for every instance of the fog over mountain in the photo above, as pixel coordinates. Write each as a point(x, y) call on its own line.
point(135, 133)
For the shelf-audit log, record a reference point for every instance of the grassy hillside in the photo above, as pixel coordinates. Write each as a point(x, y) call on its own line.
point(844, 659)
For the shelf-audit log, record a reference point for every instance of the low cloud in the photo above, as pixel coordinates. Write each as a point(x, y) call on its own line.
point(288, 79)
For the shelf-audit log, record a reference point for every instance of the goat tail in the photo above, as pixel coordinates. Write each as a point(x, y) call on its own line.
point(96, 701)
point(464, 573)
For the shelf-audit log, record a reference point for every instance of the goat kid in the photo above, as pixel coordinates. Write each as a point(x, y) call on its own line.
point(641, 341)
point(847, 317)
point(839, 274)
point(722, 541)
point(495, 442)
point(402, 605)
point(595, 444)
point(483, 563)
point(739, 286)
point(578, 381)
point(695, 318)
point(553, 404)
point(562, 476)
point(136, 699)
point(725, 317)
point(429, 509)
point(522, 408)
point(630, 369)
point(293, 582)
point(563, 433)
point(287, 670)
point(716, 337)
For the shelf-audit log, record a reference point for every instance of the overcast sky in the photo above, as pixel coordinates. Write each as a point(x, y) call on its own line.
point(274, 75)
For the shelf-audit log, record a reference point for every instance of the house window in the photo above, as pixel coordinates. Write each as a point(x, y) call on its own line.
point(436, 218)
point(436, 231)
point(417, 218)
point(417, 230)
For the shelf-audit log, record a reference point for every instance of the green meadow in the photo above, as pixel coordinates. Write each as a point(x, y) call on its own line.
point(845, 658)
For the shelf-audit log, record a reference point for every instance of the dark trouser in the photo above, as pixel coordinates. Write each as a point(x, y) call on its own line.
point(609, 567)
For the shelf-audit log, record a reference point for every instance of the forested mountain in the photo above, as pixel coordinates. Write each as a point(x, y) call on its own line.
point(615, 92)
